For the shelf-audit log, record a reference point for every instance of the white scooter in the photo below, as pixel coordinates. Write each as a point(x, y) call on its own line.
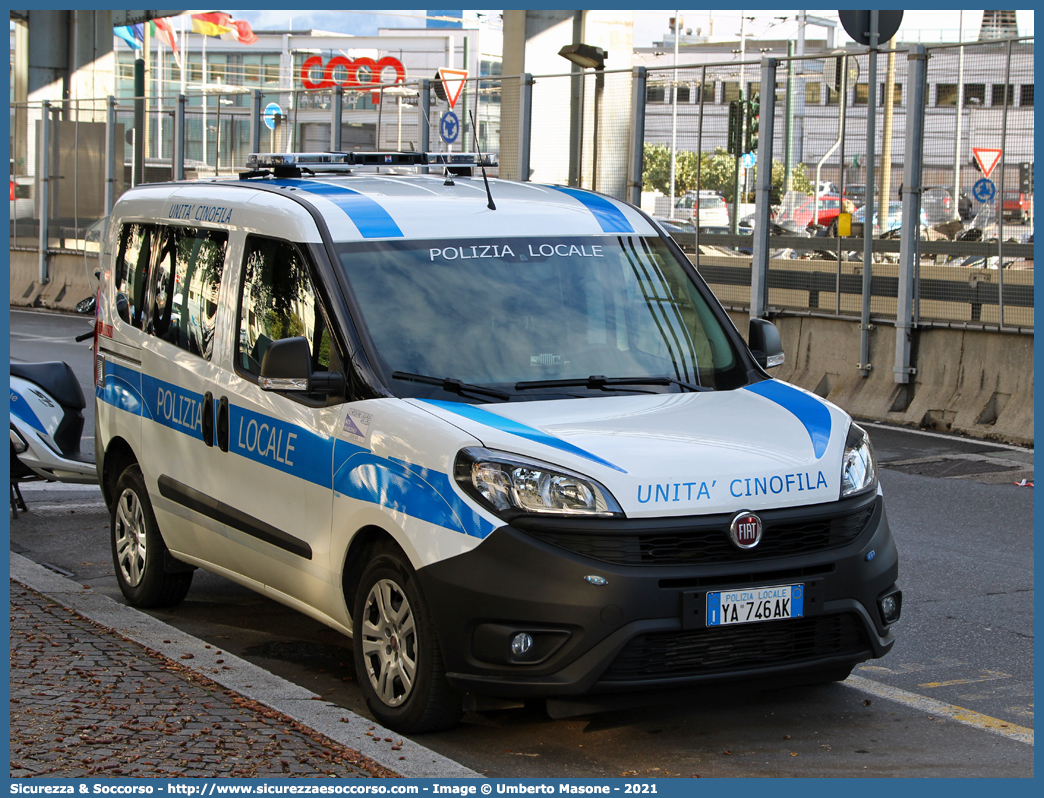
point(47, 406)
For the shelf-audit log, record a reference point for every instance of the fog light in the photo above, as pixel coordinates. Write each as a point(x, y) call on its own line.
point(891, 606)
point(520, 644)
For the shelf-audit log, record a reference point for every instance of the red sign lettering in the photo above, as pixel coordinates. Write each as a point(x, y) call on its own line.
point(360, 73)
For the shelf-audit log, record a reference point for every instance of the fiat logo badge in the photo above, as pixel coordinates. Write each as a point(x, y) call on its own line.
point(745, 530)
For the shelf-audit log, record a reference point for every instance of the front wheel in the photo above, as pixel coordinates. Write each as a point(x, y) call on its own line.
point(397, 658)
point(138, 550)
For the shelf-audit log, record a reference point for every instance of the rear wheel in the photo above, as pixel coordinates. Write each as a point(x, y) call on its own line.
point(397, 657)
point(138, 550)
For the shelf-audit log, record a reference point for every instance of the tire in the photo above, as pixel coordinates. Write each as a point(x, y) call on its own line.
point(138, 550)
point(398, 662)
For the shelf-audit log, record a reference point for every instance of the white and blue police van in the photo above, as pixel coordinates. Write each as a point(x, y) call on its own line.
point(500, 434)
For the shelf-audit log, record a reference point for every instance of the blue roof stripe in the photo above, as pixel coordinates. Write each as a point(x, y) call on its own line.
point(515, 428)
point(609, 216)
point(809, 410)
point(366, 214)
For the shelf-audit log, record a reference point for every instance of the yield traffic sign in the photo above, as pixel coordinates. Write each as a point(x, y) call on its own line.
point(452, 81)
point(987, 158)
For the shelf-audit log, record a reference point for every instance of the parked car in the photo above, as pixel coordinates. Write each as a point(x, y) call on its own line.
point(1017, 206)
point(857, 193)
point(799, 210)
point(713, 210)
point(938, 206)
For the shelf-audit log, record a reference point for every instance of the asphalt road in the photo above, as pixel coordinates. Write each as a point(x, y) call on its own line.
point(965, 639)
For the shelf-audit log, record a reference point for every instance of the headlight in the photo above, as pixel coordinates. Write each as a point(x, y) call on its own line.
point(859, 467)
point(508, 484)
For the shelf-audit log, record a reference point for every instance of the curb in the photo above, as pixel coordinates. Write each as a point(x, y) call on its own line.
point(340, 725)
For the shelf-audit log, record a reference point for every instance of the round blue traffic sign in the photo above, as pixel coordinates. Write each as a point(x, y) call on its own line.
point(449, 127)
point(984, 190)
point(270, 114)
point(749, 159)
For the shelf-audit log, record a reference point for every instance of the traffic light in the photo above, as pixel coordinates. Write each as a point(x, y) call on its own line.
point(750, 143)
point(1026, 178)
point(735, 140)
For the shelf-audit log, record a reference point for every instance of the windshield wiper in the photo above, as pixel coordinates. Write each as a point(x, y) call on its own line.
point(598, 382)
point(451, 385)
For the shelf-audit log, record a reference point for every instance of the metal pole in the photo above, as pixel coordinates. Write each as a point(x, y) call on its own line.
point(1000, 190)
point(699, 168)
point(763, 192)
point(788, 130)
point(179, 138)
point(255, 120)
point(674, 119)
point(44, 176)
point(139, 122)
point(424, 118)
point(636, 163)
point(868, 224)
point(960, 109)
point(910, 231)
point(525, 125)
point(336, 103)
point(110, 153)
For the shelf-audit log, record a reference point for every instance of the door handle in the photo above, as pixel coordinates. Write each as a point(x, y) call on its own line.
point(208, 418)
point(222, 423)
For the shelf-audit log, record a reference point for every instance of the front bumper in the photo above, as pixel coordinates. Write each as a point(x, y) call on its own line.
point(646, 627)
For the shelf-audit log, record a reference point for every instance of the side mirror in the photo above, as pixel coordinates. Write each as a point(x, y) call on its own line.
point(765, 343)
point(287, 366)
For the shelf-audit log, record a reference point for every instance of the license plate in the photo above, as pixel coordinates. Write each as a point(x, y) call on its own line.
point(755, 604)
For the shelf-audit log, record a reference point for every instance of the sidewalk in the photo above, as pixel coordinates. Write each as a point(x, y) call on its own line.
point(101, 690)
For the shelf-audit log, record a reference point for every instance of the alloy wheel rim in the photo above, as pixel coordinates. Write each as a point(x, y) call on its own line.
point(389, 642)
point(131, 549)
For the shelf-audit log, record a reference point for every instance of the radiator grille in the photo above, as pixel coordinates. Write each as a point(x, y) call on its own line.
point(709, 544)
point(733, 649)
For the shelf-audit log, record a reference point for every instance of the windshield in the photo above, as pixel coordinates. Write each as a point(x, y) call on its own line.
point(498, 312)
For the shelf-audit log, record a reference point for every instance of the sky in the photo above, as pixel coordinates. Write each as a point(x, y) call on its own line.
point(649, 26)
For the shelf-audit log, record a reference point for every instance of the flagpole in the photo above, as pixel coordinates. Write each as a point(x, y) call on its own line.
point(159, 100)
point(146, 41)
point(203, 88)
point(184, 54)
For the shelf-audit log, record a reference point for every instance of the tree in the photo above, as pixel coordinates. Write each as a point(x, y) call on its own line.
point(717, 172)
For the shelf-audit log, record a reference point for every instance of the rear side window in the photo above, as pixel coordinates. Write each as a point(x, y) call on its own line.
point(183, 302)
point(132, 271)
point(278, 301)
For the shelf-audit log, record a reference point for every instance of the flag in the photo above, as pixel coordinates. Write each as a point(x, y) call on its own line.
point(132, 34)
point(211, 24)
point(161, 30)
point(218, 24)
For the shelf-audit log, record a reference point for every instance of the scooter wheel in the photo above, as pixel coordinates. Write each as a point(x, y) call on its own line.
point(138, 550)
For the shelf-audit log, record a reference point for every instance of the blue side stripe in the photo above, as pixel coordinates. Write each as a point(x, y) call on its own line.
point(514, 428)
point(21, 409)
point(366, 214)
point(811, 412)
point(609, 216)
point(351, 470)
point(404, 488)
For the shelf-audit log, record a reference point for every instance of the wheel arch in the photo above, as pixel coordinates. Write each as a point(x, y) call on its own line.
point(118, 455)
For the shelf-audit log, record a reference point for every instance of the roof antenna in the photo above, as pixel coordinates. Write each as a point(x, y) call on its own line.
point(482, 161)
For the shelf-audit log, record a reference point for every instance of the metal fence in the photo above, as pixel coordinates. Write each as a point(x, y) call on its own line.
point(615, 132)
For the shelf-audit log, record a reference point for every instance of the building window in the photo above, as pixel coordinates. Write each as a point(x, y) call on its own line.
point(731, 91)
point(1026, 96)
point(897, 94)
point(975, 94)
point(945, 94)
point(655, 94)
point(998, 94)
point(270, 70)
point(813, 93)
point(683, 94)
point(833, 95)
point(862, 94)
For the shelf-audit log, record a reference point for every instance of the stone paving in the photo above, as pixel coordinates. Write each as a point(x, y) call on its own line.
point(85, 702)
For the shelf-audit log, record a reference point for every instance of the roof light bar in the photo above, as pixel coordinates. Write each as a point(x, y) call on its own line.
point(332, 160)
